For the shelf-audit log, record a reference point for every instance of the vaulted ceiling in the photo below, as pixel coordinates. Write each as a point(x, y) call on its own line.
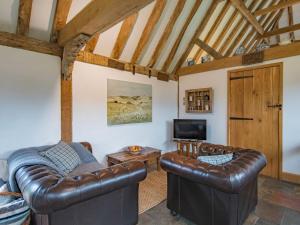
point(165, 33)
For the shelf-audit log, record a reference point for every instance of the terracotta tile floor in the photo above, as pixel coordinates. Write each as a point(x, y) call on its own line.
point(279, 204)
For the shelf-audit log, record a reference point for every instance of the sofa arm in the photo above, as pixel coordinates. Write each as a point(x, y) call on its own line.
point(230, 177)
point(47, 191)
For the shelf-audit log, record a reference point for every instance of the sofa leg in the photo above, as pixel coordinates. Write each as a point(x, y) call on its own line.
point(173, 213)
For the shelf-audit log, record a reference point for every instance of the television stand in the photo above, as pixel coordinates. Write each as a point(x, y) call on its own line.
point(188, 147)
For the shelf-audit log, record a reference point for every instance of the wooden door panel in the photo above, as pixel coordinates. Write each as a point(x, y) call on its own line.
point(237, 94)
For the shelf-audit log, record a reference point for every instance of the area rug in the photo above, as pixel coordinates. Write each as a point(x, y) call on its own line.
point(153, 190)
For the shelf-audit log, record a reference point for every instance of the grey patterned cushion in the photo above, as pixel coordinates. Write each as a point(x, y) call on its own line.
point(216, 159)
point(63, 156)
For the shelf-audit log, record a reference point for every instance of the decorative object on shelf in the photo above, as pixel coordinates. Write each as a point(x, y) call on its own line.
point(198, 100)
point(262, 46)
point(128, 102)
point(241, 50)
point(135, 149)
point(190, 62)
point(205, 59)
point(252, 58)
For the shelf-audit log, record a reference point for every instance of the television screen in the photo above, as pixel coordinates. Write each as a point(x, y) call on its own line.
point(189, 129)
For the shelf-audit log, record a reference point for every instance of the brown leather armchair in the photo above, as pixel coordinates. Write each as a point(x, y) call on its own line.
point(213, 194)
point(107, 197)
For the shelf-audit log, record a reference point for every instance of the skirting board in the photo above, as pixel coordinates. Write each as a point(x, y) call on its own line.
point(290, 177)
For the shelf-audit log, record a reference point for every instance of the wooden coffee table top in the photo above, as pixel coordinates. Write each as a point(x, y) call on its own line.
point(125, 156)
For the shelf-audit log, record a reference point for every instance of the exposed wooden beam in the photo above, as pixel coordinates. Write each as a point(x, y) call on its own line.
point(213, 29)
point(291, 22)
point(282, 5)
point(196, 35)
point(124, 34)
point(208, 49)
point(234, 31)
point(24, 17)
point(282, 30)
point(60, 17)
point(91, 44)
point(242, 32)
point(99, 16)
point(30, 44)
point(148, 30)
point(180, 36)
point(167, 32)
point(240, 5)
point(100, 60)
point(269, 54)
point(66, 110)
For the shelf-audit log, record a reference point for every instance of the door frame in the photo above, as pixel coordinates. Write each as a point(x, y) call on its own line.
point(280, 65)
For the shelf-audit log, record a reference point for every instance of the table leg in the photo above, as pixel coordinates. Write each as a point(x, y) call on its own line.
point(158, 163)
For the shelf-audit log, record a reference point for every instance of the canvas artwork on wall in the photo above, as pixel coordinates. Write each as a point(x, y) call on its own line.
point(128, 102)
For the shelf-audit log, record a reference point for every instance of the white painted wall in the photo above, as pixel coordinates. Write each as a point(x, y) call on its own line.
point(29, 99)
point(217, 121)
point(90, 112)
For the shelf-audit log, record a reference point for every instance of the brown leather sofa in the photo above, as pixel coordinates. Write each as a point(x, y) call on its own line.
point(107, 196)
point(213, 194)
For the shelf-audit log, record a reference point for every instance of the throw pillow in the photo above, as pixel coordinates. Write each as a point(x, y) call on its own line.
point(216, 159)
point(63, 156)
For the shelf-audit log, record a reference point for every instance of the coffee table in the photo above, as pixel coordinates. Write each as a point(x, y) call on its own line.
point(145, 155)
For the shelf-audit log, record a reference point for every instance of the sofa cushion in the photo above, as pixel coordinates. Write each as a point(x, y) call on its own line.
point(216, 159)
point(86, 168)
point(63, 156)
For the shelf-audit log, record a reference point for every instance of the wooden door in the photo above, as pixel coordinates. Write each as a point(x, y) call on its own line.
point(254, 112)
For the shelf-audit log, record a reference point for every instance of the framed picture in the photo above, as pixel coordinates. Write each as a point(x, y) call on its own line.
point(128, 102)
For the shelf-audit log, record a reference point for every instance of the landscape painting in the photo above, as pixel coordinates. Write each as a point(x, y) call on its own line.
point(128, 102)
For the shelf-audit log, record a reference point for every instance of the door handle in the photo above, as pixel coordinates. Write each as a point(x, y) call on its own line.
point(275, 106)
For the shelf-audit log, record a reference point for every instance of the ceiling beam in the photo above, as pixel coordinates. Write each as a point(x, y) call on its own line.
point(196, 35)
point(240, 5)
point(208, 49)
point(91, 44)
point(180, 36)
point(100, 60)
point(269, 54)
point(167, 32)
point(60, 17)
point(291, 22)
point(124, 34)
point(24, 17)
point(282, 5)
point(30, 44)
point(148, 30)
point(99, 16)
point(213, 29)
point(282, 30)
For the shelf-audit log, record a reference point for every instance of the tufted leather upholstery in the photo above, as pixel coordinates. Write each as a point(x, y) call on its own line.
point(229, 185)
point(57, 200)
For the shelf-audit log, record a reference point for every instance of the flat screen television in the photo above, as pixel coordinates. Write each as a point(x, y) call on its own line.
point(189, 129)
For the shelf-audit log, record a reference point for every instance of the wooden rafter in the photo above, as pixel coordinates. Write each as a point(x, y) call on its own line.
point(242, 32)
point(234, 31)
point(240, 5)
point(60, 17)
point(117, 64)
point(269, 54)
point(208, 49)
point(167, 32)
point(180, 36)
point(99, 16)
point(282, 5)
point(196, 35)
point(147, 32)
point(91, 44)
point(30, 44)
point(24, 17)
point(291, 22)
point(213, 29)
point(282, 30)
point(124, 34)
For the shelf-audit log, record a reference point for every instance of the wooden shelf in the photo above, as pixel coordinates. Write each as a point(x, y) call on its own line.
point(199, 100)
